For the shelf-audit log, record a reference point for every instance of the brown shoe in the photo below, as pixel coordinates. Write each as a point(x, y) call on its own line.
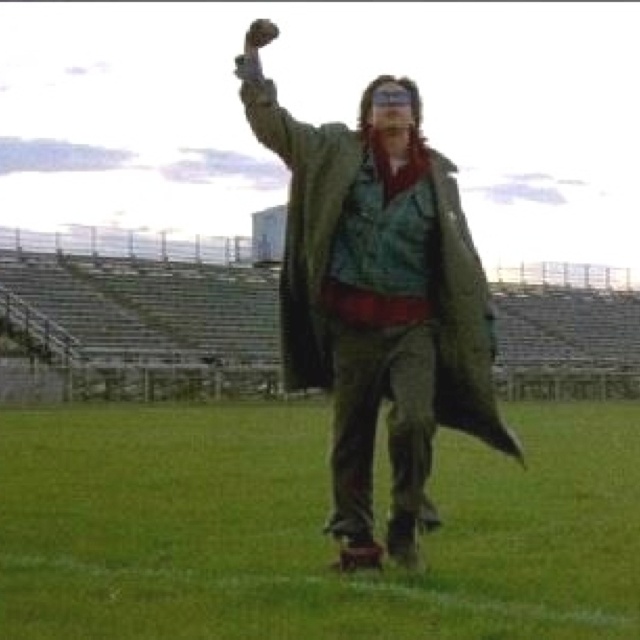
point(356, 558)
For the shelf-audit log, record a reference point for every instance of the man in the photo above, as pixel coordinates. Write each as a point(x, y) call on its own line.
point(383, 296)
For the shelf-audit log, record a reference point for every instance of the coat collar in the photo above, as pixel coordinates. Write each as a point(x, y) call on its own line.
point(444, 164)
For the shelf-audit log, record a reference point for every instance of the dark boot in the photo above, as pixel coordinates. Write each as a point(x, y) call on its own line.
point(402, 543)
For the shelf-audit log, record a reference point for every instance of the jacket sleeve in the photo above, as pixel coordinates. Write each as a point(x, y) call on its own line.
point(273, 126)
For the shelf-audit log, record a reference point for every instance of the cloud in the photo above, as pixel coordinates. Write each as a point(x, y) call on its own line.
point(545, 177)
point(509, 193)
point(529, 177)
point(572, 183)
point(19, 155)
point(540, 188)
point(77, 71)
point(98, 67)
point(205, 165)
point(197, 166)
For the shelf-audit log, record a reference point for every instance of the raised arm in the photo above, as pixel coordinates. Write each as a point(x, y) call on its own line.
point(272, 125)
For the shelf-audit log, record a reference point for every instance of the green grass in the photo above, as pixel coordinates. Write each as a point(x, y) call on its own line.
point(123, 522)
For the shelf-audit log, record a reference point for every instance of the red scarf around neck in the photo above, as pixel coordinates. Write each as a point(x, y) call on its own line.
point(417, 167)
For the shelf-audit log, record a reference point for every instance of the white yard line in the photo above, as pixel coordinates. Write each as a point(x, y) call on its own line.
point(372, 583)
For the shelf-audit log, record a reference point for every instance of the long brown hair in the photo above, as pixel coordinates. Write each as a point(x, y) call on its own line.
point(419, 162)
point(406, 83)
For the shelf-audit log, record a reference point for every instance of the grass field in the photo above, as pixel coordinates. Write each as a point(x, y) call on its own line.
point(150, 522)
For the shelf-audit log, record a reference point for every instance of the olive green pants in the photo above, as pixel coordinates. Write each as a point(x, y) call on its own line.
point(369, 365)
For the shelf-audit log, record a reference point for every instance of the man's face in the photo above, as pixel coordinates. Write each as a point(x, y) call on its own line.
point(391, 107)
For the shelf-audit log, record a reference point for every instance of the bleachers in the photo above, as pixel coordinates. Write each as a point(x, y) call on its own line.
point(592, 326)
point(523, 343)
point(96, 321)
point(229, 314)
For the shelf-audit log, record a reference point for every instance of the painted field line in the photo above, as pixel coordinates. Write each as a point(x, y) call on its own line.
point(375, 584)
point(507, 609)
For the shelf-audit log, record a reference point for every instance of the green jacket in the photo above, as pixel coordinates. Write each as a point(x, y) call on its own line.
point(324, 162)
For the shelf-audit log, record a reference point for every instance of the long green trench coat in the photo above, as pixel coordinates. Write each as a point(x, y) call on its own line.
point(323, 162)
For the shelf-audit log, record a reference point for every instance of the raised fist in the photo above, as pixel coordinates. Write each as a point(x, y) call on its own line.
point(261, 33)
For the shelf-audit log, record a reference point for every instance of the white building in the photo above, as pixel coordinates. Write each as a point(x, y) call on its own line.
point(268, 234)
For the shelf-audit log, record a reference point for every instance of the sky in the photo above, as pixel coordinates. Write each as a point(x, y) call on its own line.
point(127, 114)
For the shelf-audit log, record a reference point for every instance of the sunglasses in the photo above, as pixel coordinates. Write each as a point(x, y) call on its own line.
point(398, 98)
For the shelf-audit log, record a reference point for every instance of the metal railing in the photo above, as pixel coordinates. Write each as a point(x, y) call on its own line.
point(566, 274)
point(36, 327)
point(165, 246)
point(127, 243)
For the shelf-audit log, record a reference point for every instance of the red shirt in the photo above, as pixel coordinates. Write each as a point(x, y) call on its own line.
point(361, 308)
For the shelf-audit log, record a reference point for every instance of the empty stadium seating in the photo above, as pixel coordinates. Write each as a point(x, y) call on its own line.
point(99, 323)
point(570, 326)
point(226, 313)
point(119, 307)
point(116, 306)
